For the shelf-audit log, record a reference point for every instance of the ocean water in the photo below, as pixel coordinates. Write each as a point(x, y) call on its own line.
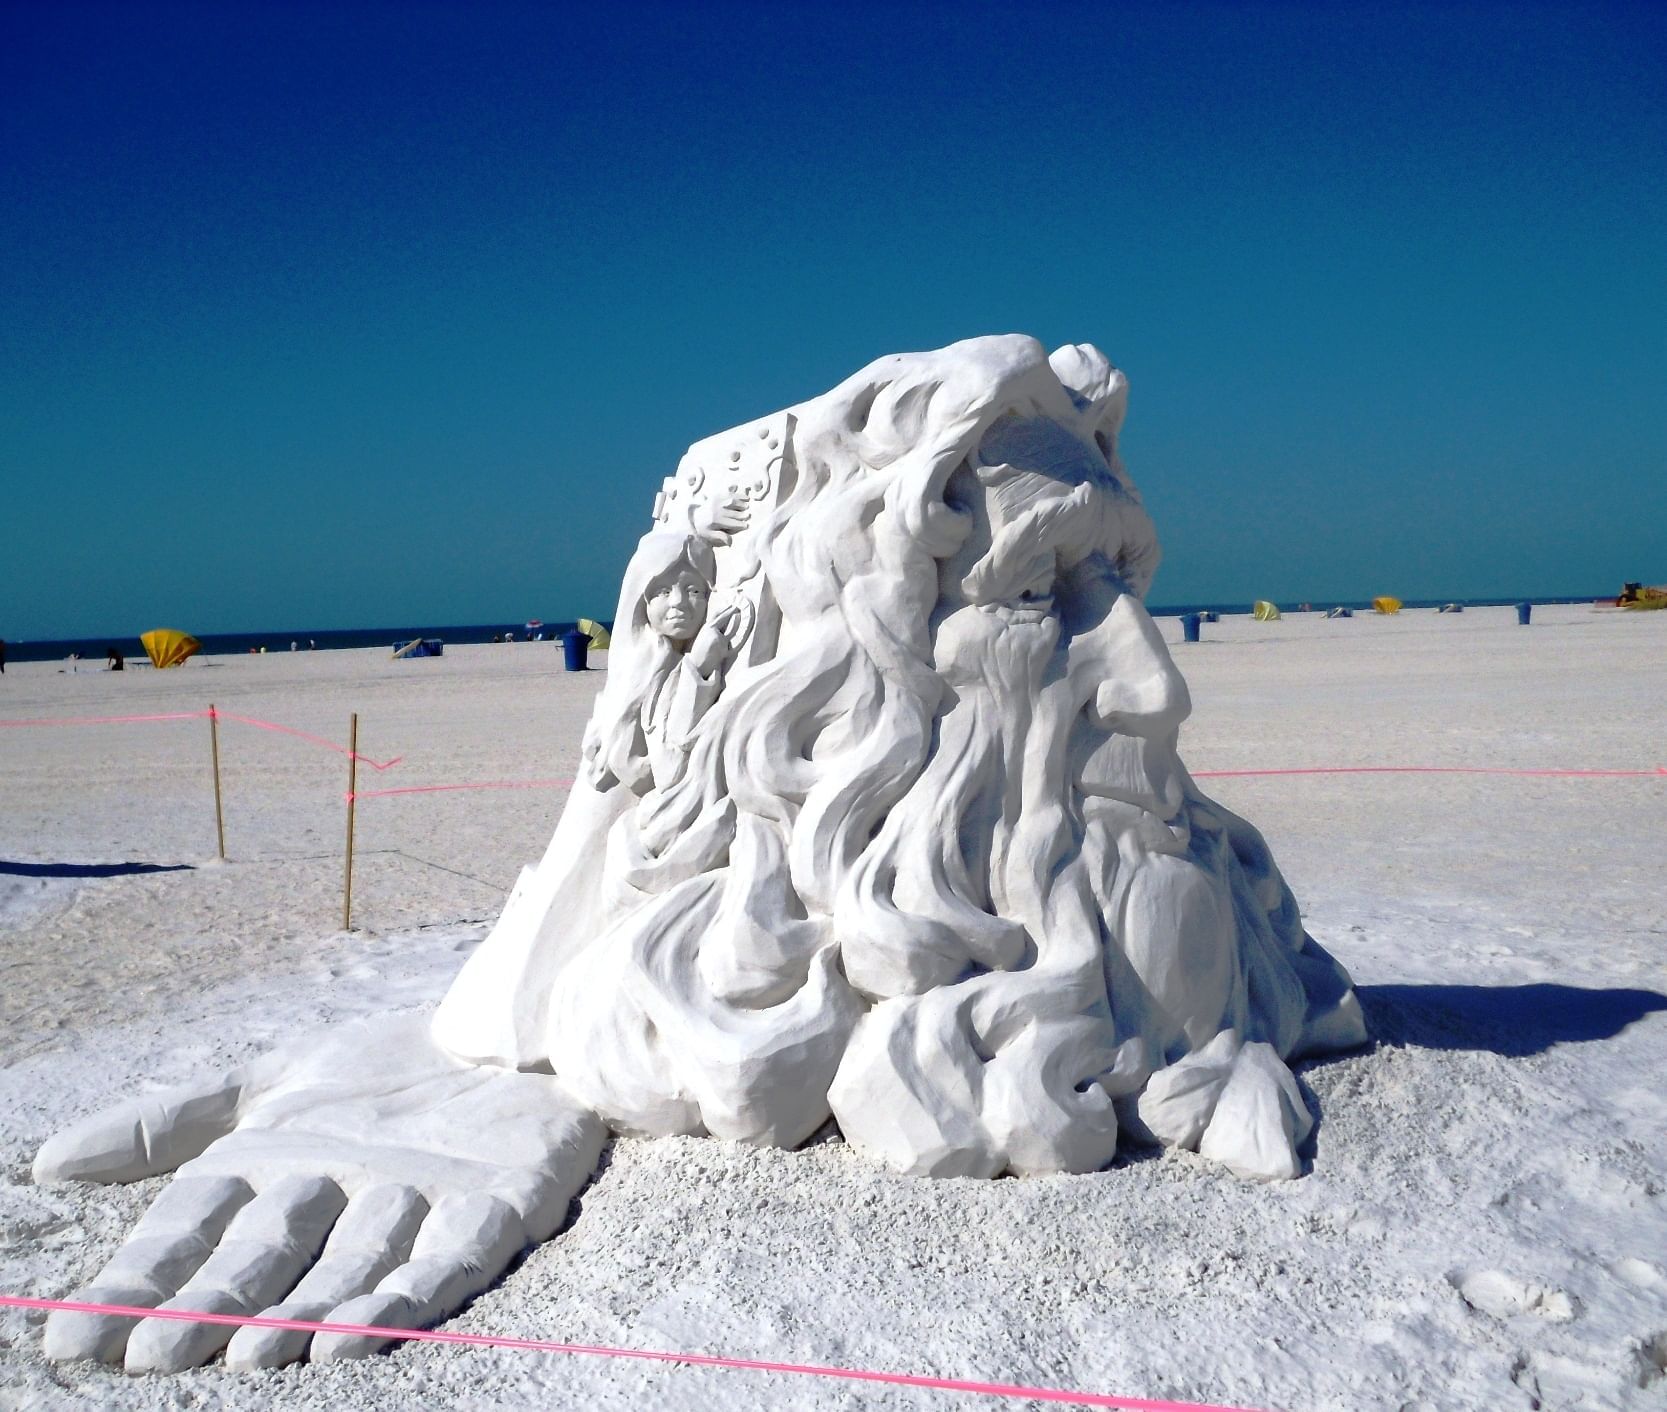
point(325, 639)
point(277, 640)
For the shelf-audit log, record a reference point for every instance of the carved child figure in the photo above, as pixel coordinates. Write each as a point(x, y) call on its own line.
point(666, 664)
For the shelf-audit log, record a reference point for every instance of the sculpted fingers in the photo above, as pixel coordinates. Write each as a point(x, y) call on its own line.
point(171, 1242)
point(373, 1236)
point(177, 1234)
point(718, 521)
point(540, 1175)
point(145, 1136)
point(263, 1252)
point(539, 1199)
point(463, 1246)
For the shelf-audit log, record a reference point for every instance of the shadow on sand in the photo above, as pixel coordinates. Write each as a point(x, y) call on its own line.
point(1512, 1020)
point(86, 870)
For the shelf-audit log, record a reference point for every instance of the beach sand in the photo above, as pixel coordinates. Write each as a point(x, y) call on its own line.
point(1485, 1225)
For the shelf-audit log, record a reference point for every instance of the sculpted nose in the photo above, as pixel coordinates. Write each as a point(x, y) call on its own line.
point(1141, 692)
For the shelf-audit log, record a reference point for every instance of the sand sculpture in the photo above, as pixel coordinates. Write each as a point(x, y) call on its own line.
point(881, 822)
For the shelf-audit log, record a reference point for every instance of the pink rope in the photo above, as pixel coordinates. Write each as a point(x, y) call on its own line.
point(705, 1360)
point(108, 720)
point(204, 715)
point(1658, 771)
point(442, 788)
point(1430, 770)
point(307, 736)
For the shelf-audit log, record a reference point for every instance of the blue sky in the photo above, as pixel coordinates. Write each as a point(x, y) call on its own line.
point(337, 315)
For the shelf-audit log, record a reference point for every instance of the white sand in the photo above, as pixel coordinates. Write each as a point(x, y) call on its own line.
point(1485, 1226)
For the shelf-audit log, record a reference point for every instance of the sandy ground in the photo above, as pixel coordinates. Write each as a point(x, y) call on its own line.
point(1485, 1225)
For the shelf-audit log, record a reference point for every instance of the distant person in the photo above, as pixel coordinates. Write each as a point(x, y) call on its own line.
point(2, 656)
point(114, 660)
point(312, 644)
point(294, 646)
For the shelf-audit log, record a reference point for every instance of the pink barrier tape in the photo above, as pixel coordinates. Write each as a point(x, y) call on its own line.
point(1432, 770)
point(307, 736)
point(204, 715)
point(445, 788)
point(108, 720)
point(702, 1360)
point(1652, 773)
point(1660, 770)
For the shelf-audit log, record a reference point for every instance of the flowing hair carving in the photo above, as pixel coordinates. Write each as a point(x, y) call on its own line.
point(931, 866)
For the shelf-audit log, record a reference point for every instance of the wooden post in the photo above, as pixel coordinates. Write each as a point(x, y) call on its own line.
point(352, 799)
point(219, 809)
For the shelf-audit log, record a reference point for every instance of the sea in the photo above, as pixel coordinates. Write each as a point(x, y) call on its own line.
point(330, 639)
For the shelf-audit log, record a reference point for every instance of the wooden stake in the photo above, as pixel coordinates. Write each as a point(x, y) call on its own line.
point(352, 798)
point(219, 809)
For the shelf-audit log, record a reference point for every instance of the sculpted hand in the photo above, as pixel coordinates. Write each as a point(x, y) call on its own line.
point(591, 761)
point(716, 522)
point(364, 1177)
point(716, 642)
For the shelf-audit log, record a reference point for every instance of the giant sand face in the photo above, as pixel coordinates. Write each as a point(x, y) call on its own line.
point(882, 821)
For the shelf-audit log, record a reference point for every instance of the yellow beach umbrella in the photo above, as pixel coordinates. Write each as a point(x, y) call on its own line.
point(1265, 612)
point(1387, 604)
point(168, 647)
point(594, 630)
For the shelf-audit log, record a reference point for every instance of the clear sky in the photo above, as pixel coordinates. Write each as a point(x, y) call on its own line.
point(345, 315)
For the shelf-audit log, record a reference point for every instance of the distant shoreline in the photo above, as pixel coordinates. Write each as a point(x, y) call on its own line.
point(332, 639)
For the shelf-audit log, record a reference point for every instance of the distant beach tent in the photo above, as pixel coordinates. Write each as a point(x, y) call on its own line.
point(1265, 612)
point(598, 635)
point(1386, 605)
point(420, 647)
point(1637, 595)
point(1451, 608)
point(1340, 612)
point(167, 647)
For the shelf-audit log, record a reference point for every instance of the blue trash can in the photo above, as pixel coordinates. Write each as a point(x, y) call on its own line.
point(575, 646)
point(1523, 610)
point(1189, 625)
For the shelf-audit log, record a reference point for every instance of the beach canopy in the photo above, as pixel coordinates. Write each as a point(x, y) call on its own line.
point(1637, 595)
point(1387, 605)
point(419, 647)
point(167, 647)
point(597, 634)
point(1265, 612)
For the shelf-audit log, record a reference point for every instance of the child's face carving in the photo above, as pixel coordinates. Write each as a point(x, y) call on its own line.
point(676, 606)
